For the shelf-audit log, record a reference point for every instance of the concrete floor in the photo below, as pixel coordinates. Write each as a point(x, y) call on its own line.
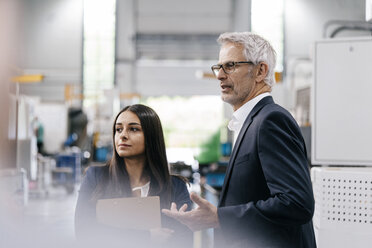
point(53, 213)
point(46, 221)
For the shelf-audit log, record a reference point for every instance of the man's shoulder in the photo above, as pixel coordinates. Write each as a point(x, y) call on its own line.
point(266, 106)
point(274, 109)
point(274, 114)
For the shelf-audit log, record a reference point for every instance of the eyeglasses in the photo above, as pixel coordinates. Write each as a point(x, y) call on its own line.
point(228, 67)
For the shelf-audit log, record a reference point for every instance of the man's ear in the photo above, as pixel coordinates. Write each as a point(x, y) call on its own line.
point(262, 71)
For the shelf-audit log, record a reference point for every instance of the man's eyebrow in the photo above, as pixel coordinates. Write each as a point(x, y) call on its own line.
point(227, 61)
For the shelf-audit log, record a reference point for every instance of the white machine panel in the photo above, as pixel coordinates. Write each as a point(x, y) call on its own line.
point(342, 102)
point(343, 206)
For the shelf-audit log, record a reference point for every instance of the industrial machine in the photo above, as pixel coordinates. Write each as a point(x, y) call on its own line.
point(341, 142)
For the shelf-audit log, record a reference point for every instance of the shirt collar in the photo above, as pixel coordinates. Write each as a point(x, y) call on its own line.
point(241, 113)
point(144, 189)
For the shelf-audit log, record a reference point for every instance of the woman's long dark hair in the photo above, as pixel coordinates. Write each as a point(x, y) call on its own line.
point(115, 180)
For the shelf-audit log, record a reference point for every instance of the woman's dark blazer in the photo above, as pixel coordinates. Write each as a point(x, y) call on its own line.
point(87, 228)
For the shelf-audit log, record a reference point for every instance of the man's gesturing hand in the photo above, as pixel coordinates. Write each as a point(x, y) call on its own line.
point(204, 216)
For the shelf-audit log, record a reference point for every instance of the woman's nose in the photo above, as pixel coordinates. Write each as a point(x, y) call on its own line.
point(124, 134)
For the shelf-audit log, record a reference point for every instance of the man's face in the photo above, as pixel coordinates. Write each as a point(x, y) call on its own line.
point(237, 87)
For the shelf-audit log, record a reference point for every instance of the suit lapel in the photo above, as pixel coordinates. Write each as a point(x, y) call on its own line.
point(239, 139)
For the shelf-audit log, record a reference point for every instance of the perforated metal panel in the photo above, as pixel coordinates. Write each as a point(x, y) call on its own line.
point(343, 205)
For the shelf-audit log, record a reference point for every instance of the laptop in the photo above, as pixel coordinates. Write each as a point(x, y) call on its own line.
point(140, 213)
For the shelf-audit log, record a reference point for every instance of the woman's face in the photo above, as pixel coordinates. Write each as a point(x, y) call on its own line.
point(129, 137)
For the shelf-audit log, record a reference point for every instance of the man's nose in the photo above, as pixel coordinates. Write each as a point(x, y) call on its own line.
point(221, 74)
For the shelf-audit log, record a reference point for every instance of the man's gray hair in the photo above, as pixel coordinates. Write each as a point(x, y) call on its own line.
point(256, 49)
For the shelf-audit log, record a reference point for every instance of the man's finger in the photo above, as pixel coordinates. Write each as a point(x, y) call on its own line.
point(183, 208)
point(183, 217)
point(170, 213)
point(198, 200)
point(173, 207)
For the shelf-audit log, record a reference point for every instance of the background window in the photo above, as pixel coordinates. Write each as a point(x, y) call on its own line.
point(191, 123)
point(99, 49)
point(267, 20)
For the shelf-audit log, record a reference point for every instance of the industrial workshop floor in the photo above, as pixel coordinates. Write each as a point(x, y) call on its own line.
point(48, 221)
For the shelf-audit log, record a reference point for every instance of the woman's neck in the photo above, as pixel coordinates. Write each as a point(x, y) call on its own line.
point(135, 168)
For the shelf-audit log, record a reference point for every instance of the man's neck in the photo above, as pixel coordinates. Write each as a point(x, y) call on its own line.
point(260, 89)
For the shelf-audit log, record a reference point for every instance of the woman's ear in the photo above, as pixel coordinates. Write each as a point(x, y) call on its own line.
point(262, 71)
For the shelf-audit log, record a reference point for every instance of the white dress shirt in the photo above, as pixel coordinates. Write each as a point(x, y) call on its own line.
point(144, 189)
point(239, 116)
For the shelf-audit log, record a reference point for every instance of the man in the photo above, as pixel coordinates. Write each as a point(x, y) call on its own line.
point(266, 199)
point(39, 133)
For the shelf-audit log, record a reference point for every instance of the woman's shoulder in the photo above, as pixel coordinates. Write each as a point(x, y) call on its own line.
point(180, 193)
point(92, 177)
point(95, 172)
point(178, 179)
point(179, 182)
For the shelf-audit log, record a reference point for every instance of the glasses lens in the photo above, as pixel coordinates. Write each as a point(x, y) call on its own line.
point(229, 67)
point(216, 69)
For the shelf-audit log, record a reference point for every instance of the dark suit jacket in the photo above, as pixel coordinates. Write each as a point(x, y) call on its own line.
point(267, 198)
point(88, 230)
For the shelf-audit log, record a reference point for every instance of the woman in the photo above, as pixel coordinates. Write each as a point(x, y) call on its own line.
point(138, 168)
